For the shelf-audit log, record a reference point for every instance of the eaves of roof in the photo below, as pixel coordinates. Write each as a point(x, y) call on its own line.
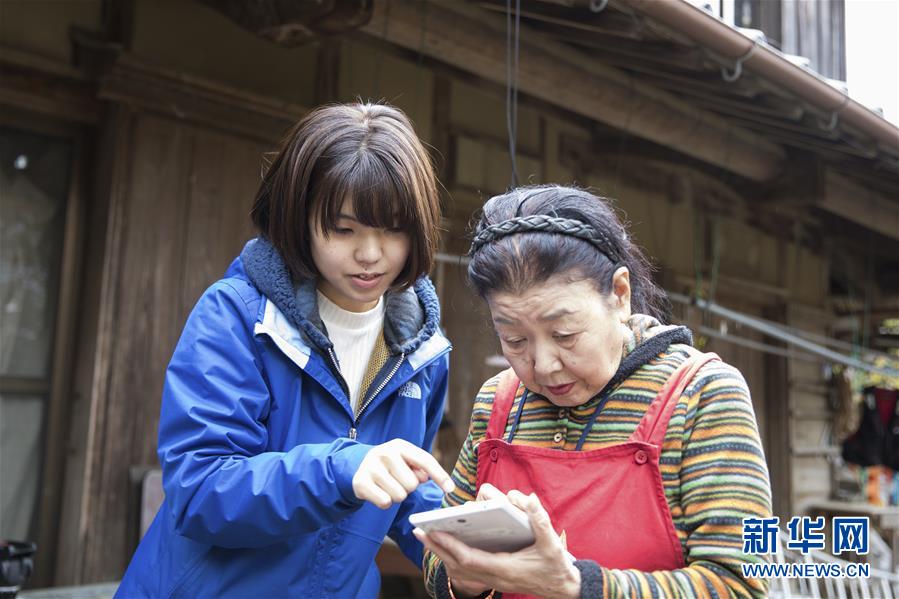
point(708, 31)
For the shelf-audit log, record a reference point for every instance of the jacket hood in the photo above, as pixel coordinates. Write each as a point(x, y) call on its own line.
point(645, 339)
point(411, 317)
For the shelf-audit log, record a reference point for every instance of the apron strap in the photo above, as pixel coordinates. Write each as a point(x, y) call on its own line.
point(503, 399)
point(654, 425)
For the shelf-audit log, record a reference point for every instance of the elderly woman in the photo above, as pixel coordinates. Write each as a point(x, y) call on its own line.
point(625, 446)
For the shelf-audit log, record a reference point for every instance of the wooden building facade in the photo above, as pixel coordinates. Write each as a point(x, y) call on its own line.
point(162, 114)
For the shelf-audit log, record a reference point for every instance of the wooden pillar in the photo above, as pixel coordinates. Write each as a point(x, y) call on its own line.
point(778, 422)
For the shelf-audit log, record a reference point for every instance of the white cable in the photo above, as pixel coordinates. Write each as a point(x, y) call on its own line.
point(778, 333)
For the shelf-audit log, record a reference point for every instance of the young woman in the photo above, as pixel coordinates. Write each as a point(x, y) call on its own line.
point(627, 447)
point(307, 386)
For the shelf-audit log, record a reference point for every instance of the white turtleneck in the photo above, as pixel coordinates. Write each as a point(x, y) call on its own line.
point(354, 335)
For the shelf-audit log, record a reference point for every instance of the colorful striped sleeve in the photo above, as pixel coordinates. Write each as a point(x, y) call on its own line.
point(465, 476)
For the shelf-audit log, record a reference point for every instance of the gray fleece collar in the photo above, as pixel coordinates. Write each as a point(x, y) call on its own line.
point(411, 317)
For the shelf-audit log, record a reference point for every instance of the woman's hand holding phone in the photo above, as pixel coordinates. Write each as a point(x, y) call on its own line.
point(544, 569)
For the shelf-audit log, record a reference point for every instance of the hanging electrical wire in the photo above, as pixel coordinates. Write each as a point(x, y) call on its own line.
point(513, 32)
point(380, 55)
point(419, 72)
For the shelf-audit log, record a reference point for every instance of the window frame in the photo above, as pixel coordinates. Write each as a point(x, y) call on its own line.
point(55, 431)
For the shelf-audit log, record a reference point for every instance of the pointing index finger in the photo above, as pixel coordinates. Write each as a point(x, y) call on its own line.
point(420, 459)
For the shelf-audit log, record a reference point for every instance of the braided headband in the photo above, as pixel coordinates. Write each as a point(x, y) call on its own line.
point(542, 223)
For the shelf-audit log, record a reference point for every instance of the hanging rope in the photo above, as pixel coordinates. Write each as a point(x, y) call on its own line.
point(421, 52)
point(512, 43)
point(380, 59)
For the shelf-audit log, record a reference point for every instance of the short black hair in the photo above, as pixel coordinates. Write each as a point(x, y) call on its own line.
point(368, 154)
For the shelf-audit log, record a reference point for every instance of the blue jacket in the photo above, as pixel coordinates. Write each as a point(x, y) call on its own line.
point(258, 443)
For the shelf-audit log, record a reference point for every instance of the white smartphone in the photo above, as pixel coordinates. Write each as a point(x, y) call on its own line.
point(492, 525)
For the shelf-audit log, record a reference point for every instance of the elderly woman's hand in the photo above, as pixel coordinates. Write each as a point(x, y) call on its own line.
point(543, 569)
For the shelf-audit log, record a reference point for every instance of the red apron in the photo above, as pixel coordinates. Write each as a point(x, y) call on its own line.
point(610, 501)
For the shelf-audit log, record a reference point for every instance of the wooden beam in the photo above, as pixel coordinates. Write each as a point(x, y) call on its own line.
point(474, 40)
point(195, 99)
point(646, 56)
point(47, 87)
point(293, 22)
point(861, 205)
point(610, 22)
point(653, 169)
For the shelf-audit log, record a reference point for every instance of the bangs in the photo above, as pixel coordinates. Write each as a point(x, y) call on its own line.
point(379, 194)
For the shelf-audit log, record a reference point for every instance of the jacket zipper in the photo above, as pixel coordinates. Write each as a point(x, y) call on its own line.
point(353, 431)
point(340, 379)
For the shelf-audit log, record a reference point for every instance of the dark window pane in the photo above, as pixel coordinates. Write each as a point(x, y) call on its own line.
point(34, 186)
point(21, 444)
point(34, 183)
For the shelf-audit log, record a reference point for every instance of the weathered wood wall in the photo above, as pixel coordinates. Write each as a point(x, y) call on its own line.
point(180, 217)
point(179, 195)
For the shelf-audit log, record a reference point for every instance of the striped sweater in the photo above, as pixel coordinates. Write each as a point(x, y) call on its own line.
point(713, 468)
